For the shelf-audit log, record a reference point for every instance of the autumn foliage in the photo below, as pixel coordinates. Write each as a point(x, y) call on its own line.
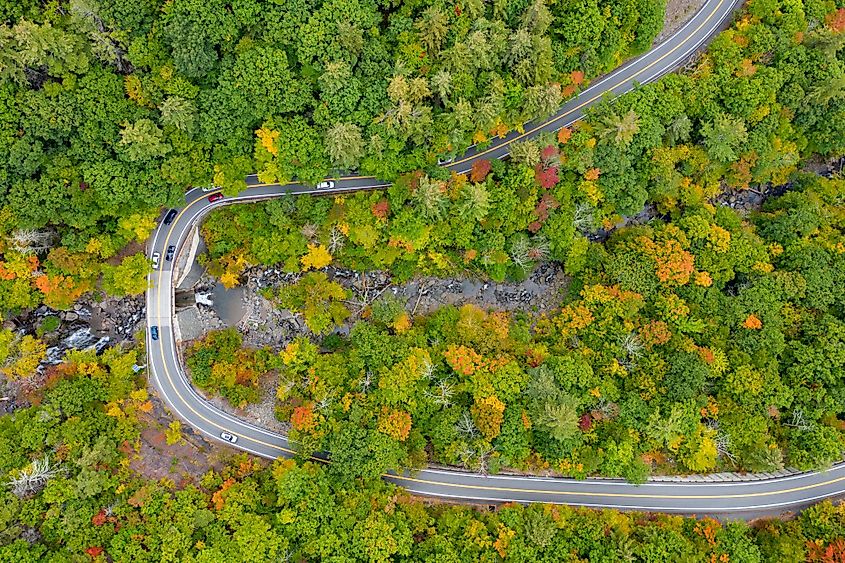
point(395, 423)
point(303, 419)
point(480, 169)
point(752, 322)
point(462, 359)
point(488, 413)
point(673, 264)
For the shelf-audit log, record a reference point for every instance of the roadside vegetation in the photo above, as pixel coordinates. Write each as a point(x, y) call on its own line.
point(766, 96)
point(699, 339)
point(69, 495)
point(219, 364)
point(709, 342)
point(693, 338)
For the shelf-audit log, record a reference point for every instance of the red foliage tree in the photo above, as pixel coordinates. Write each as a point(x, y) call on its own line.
point(381, 208)
point(99, 519)
point(302, 418)
point(546, 177)
point(550, 155)
point(585, 423)
point(834, 552)
point(836, 20)
point(480, 170)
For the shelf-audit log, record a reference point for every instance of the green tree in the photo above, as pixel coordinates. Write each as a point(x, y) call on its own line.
point(559, 417)
point(143, 140)
point(620, 128)
point(31, 50)
point(345, 145)
point(723, 137)
point(319, 300)
point(127, 278)
point(179, 113)
point(433, 26)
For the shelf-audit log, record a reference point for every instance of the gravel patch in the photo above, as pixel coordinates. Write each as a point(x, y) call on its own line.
point(262, 413)
point(678, 12)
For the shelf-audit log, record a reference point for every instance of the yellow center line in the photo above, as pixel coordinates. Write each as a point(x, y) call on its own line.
point(408, 479)
point(615, 495)
point(161, 348)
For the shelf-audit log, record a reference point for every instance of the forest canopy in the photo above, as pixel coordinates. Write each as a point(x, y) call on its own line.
point(710, 342)
point(113, 107)
point(109, 110)
point(757, 106)
point(692, 338)
point(76, 496)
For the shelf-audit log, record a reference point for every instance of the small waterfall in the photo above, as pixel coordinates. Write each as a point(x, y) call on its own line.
point(81, 339)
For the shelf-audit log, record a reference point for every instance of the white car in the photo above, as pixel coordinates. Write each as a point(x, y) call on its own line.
point(156, 258)
point(445, 160)
point(210, 188)
point(231, 438)
point(327, 185)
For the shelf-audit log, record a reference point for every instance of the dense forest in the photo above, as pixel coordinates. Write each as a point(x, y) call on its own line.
point(110, 109)
point(692, 339)
point(73, 497)
point(710, 341)
point(768, 93)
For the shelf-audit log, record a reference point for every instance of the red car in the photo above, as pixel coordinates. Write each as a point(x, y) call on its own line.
point(215, 197)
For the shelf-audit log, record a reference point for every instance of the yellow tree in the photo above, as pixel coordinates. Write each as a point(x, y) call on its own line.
point(22, 355)
point(488, 413)
point(318, 257)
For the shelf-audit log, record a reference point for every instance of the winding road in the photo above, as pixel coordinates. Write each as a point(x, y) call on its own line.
point(744, 498)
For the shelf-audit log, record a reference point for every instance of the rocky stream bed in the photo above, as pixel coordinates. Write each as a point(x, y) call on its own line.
point(98, 322)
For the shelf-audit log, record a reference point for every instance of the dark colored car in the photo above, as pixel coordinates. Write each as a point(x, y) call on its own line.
point(171, 250)
point(154, 332)
point(170, 216)
point(215, 197)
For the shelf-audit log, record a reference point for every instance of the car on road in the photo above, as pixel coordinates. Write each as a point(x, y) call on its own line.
point(327, 185)
point(210, 188)
point(215, 197)
point(171, 250)
point(154, 332)
point(156, 258)
point(171, 215)
point(443, 160)
point(231, 438)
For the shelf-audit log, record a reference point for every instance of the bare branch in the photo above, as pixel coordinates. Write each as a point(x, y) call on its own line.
point(34, 478)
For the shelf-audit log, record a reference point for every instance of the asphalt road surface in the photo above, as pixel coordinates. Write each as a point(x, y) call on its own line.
point(746, 498)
